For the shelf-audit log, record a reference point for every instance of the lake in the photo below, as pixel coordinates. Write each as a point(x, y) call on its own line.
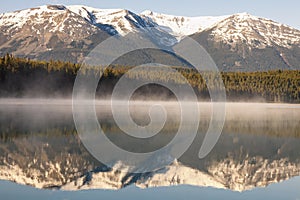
point(42, 156)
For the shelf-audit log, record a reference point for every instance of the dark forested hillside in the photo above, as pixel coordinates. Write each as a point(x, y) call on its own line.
point(21, 77)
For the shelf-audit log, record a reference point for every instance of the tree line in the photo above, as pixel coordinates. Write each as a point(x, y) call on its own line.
point(21, 77)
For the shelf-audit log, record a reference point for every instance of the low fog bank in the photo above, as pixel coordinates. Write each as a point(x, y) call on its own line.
point(239, 111)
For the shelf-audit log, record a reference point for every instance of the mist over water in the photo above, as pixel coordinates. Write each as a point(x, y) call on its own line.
point(279, 119)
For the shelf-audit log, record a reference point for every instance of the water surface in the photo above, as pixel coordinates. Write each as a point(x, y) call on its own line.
point(256, 157)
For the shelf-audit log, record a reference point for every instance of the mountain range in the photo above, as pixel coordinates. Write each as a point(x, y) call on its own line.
point(238, 42)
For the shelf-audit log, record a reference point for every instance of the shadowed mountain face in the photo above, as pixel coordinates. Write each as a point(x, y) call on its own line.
point(39, 146)
point(239, 42)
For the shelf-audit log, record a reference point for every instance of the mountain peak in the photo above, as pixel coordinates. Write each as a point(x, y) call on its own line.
point(55, 7)
point(255, 31)
point(147, 12)
point(95, 10)
point(243, 14)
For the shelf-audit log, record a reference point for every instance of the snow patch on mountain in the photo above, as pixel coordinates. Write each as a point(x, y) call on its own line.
point(19, 18)
point(182, 26)
point(121, 20)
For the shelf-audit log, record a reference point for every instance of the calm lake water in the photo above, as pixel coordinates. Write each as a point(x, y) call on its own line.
point(42, 156)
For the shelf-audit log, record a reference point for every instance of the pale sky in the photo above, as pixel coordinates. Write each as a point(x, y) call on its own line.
point(283, 11)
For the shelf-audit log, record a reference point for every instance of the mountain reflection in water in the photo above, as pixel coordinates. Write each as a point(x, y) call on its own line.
point(39, 146)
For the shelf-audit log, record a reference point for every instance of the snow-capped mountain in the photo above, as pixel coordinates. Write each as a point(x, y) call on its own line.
point(66, 32)
point(57, 17)
point(245, 42)
point(255, 31)
point(71, 32)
